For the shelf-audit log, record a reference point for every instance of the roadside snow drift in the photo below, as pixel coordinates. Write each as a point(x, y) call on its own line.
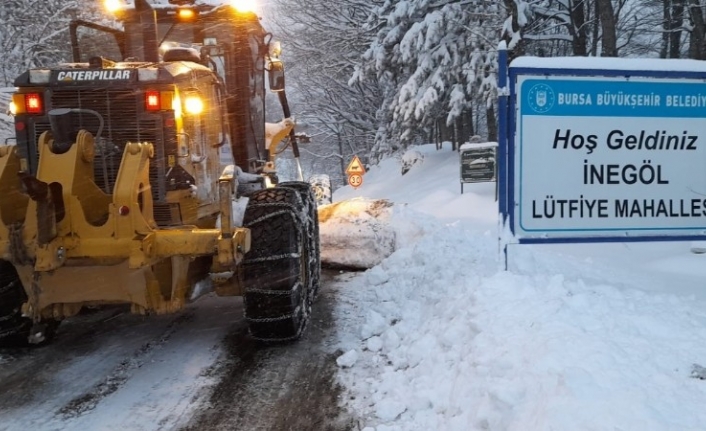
point(356, 233)
point(576, 337)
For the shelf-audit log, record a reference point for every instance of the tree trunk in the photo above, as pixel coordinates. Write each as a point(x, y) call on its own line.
point(596, 28)
point(464, 126)
point(666, 27)
point(696, 38)
point(676, 22)
point(492, 124)
point(578, 20)
point(340, 151)
point(609, 40)
point(518, 50)
point(435, 133)
point(457, 135)
point(445, 132)
point(430, 132)
point(468, 130)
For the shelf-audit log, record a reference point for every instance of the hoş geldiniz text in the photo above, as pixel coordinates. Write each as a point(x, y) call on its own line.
point(619, 140)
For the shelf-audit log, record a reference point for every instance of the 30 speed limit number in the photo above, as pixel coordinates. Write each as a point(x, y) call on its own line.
point(355, 180)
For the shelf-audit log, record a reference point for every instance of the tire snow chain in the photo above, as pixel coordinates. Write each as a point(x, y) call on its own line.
point(267, 216)
point(278, 257)
point(293, 210)
point(296, 336)
point(281, 340)
point(270, 319)
point(276, 292)
point(7, 333)
point(9, 316)
point(9, 286)
point(275, 214)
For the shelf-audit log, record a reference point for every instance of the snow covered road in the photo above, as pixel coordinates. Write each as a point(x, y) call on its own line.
point(110, 370)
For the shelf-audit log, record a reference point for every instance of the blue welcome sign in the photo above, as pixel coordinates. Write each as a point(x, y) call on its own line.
point(603, 154)
point(616, 97)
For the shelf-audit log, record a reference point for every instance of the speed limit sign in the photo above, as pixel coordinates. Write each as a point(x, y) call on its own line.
point(355, 180)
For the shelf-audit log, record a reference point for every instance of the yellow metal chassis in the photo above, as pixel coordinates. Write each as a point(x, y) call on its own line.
point(80, 246)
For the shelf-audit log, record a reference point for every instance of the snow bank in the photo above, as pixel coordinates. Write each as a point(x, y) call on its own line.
point(602, 337)
point(356, 233)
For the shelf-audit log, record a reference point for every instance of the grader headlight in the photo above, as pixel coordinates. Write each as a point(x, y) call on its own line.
point(114, 6)
point(193, 105)
point(186, 14)
point(243, 6)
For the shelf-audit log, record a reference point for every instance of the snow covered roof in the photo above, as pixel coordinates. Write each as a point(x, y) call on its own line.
point(656, 64)
point(478, 145)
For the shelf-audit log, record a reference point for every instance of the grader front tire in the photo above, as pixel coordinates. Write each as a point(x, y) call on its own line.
point(310, 204)
point(277, 272)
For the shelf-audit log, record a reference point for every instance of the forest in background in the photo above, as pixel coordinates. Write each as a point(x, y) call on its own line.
point(371, 77)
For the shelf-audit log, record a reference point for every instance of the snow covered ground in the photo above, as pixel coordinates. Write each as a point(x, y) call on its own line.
point(439, 336)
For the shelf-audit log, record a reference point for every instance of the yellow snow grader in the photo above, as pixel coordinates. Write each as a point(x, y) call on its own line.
point(121, 183)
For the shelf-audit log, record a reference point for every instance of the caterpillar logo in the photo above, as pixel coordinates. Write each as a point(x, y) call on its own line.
point(94, 75)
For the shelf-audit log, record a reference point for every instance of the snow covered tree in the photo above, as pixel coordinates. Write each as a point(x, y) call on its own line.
point(644, 28)
point(683, 27)
point(321, 46)
point(435, 61)
point(36, 33)
point(550, 27)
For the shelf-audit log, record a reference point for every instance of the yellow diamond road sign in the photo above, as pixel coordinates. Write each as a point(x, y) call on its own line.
point(355, 167)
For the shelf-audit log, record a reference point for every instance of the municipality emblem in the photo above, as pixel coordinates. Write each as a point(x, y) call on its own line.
point(541, 98)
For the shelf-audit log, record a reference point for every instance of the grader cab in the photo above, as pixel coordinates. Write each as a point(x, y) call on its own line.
point(121, 184)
